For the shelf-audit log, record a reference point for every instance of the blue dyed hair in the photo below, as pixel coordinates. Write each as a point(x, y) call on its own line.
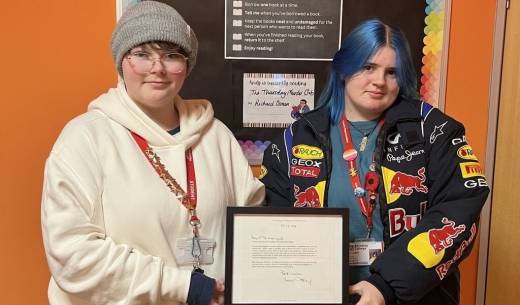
point(357, 48)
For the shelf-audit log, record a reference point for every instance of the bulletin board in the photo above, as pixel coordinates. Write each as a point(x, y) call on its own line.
point(258, 59)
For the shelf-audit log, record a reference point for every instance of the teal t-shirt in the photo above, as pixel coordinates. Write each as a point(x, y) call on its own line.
point(340, 193)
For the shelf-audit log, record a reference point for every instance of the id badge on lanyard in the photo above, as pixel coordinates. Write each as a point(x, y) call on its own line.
point(188, 249)
point(363, 252)
point(195, 251)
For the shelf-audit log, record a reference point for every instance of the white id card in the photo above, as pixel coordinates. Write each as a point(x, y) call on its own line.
point(364, 252)
point(184, 255)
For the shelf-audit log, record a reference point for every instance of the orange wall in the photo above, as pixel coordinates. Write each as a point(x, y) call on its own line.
point(469, 68)
point(57, 58)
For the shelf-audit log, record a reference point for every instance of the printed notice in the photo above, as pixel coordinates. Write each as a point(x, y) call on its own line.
point(276, 100)
point(283, 29)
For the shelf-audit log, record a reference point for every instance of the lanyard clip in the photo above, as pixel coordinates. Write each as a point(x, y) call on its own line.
point(194, 222)
point(194, 219)
point(195, 253)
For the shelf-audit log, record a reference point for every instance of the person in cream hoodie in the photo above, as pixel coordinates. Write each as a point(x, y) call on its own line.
point(136, 189)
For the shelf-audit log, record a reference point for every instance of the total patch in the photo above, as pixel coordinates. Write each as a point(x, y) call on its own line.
point(305, 171)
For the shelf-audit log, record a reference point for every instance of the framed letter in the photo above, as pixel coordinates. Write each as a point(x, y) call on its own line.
point(286, 256)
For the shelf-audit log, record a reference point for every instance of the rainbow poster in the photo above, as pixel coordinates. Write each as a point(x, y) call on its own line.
point(434, 58)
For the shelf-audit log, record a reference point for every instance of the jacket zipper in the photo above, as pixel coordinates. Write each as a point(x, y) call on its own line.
point(324, 145)
point(379, 153)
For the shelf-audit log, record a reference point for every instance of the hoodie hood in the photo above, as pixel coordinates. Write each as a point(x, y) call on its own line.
point(195, 117)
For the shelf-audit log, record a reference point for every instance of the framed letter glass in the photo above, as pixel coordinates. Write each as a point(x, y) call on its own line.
point(286, 256)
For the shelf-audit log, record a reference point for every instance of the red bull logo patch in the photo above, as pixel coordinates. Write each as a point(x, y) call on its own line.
point(307, 152)
point(311, 197)
point(471, 169)
point(399, 183)
point(429, 247)
point(442, 238)
point(466, 152)
point(443, 268)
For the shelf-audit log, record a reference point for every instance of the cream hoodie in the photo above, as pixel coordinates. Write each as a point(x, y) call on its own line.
point(109, 222)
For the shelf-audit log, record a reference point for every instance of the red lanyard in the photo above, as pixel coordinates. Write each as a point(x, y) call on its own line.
point(188, 199)
point(192, 181)
point(371, 178)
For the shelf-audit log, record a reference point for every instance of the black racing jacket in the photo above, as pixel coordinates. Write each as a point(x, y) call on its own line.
point(431, 193)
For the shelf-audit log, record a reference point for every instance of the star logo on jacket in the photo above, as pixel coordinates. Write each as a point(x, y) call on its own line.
point(275, 151)
point(429, 247)
point(437, 132)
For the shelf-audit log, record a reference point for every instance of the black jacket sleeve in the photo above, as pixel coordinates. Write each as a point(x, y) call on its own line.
point(421, 258)
point(276, 178)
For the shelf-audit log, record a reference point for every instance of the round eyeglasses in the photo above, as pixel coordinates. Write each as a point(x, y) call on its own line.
point(143, 62)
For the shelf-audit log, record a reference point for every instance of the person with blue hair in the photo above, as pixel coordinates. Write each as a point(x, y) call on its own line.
point(404, 169)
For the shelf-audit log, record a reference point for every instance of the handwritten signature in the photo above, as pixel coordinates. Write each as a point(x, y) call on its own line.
point(264, 237)
point(295, 277)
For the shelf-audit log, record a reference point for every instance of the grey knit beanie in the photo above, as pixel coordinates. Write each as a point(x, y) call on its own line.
point(152, 21)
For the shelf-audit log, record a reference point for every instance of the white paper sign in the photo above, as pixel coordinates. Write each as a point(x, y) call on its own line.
point(276, 100)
